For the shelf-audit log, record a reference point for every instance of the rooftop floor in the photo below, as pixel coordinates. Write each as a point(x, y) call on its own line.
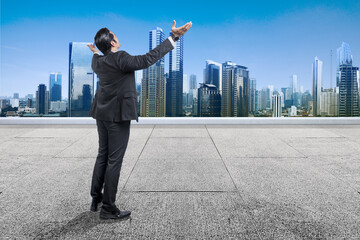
point(185, 181)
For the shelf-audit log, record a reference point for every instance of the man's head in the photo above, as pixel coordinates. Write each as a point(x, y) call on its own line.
point(106, 40)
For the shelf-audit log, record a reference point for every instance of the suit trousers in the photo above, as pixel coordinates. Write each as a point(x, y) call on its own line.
point(113, 141)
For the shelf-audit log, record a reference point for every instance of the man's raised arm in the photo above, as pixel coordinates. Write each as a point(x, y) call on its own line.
point(127, 62)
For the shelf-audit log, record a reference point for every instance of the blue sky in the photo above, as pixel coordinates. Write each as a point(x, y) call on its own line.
point(274, 39)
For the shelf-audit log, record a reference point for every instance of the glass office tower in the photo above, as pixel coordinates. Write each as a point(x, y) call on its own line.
point(213, 74)
point(174, 83)
point(293, 87)
point(348, 91)
point(343, 57)
point(209, 103)
point(81, 79)
point(317, 83)
point(55, 80)
point(235, 90)
point(252, 95)
point(153, 81)
point(42, 100)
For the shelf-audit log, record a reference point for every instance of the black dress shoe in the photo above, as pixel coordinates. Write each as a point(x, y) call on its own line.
point(95, 204)
point(117, 214)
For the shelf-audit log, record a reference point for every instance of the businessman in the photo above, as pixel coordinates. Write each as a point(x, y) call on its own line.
point(113, 107)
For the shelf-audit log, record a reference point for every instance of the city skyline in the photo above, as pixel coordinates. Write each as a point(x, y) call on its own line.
point(273, 49)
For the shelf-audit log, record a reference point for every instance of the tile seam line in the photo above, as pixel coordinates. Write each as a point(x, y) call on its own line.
point(174, 191)
point(345, 182)
point(137, 160)
point(237, 190)
point(102, 232)
point(77, 140)
point(50, 156)
point(304, 156)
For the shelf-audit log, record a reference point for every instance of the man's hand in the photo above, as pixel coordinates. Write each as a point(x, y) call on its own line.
point(180, 30)
point(92, 48)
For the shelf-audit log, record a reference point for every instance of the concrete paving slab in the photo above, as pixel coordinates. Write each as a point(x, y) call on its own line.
point(312, 193)
point(14, 168)
point(184, 131)
point(251, 146)
point(180, 174)
point(345, 168)
point(324, 146)
point(301, 197)
point(179, 215)
point(63, 132)
point(168, 148)
point(11, 132)
point(34, 146)
point(295, 132)
point(239, 132)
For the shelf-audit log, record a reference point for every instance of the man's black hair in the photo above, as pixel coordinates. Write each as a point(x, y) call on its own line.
point(103, 40)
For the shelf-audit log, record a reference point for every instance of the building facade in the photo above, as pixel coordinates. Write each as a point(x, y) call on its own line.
point(42, 100)
point(55, 80)
point(81, 79)
point(209, 102)
point(153, 92)
point(276, 105)
point(348, 91)
point(317, 85)
point(213, 74)
point(252, 95)
point(235, 90)
point(175, 81)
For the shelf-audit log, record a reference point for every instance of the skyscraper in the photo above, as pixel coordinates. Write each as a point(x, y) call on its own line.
point(235, 90)
point(174, 83)
point(185, 83)
point(55, 80)
point(276, 105)
point(192, 90)
point(317, 81)
point(81, 79)
point(293, 87)
point(329, 105)
point(42, 100)
point(209, 102)
point(252, 95)
point(343, 57)
point(213, 74)
point(348, 91)
point(153, 102)
point(193, 82)
point(269, 96)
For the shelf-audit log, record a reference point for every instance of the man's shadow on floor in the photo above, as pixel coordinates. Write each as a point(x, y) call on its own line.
point(79, 225)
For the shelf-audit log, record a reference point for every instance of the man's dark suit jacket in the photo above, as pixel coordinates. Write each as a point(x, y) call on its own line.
point(116, 99)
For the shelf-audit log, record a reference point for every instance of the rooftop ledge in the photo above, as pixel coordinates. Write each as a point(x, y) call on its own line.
point(188, 120)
